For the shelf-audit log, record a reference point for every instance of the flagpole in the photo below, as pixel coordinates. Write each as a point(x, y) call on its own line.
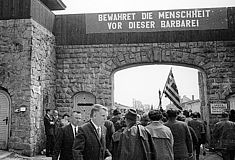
point(160, 99)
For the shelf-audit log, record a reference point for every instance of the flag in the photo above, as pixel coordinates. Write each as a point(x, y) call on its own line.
point(171, 90)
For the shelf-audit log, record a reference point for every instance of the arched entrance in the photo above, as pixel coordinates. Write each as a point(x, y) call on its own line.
point(143, 83)
point(4, 119)
point(200, 105)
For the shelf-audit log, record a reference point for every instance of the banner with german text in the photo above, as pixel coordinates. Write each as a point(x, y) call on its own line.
point(155, 21)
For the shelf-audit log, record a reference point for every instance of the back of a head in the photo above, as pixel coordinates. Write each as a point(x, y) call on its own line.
point(198, 115)
point(172, 113)
point(232, 115)
point(186, 113)
point(232, 111)
point(116, 112)
point(181, 118)
point(155, 115)
point(225, 114)
point(144, 117)
point(144, 120)
point(131, 115)
point(194, 115)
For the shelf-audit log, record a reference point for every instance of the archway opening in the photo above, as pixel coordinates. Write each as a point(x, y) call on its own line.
point(138, 87)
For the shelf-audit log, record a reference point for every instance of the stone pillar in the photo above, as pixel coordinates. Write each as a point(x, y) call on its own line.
point(27, 72)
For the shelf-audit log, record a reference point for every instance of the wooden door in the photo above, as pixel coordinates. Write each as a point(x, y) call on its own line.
point(83, 102)
point(4, 119)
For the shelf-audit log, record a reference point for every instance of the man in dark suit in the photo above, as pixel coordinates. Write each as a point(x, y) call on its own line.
point(90, 142)
point(65, 138)
point(110, 130)
point(49, 129)
point(57, 121)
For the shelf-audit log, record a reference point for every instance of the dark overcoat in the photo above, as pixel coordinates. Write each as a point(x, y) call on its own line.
point(49, 125)
point(88, 146)
point(110, 130)
point(64, 143)
point(136, 143)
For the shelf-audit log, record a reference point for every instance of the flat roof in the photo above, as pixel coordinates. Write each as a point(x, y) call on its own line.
point(54, 4)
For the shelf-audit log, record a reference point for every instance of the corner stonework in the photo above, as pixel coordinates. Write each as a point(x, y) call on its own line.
point(28, 73)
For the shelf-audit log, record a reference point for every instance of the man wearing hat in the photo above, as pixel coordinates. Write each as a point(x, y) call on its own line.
point(116, 119)
point(135, 141)
point(224, 135)
point(200, 130)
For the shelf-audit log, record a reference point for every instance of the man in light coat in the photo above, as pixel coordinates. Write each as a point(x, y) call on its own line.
point(162, 136)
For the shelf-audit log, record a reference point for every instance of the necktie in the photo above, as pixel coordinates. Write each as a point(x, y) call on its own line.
point(99, 132)
point(75, 131)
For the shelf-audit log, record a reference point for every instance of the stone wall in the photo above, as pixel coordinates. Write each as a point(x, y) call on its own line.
point(15, 77)
point(43, 75)
point(27, 72)
point(91, 67)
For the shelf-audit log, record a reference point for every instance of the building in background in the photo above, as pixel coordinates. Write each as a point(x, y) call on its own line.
point(122, 108)
point(137, 104)
point(187, 104)
point(140, 107)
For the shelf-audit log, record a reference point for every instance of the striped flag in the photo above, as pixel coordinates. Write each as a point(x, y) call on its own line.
point(171, 90)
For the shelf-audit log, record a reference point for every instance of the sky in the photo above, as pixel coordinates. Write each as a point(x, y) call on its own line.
point(94, 6)
point(143, 83)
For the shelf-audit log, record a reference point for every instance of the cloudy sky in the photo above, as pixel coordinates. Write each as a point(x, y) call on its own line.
point(143, 83)
point(94, 6)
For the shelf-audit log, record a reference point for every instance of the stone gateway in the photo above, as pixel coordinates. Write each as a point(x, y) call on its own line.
point(61, 62)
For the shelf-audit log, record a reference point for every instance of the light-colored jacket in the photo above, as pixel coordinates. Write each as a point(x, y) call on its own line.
point(163, 140)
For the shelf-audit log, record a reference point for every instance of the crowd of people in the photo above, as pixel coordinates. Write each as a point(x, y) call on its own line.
point(156, 135)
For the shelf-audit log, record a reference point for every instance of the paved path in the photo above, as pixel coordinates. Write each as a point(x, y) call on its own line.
point(4, 155)
point(211, 156)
